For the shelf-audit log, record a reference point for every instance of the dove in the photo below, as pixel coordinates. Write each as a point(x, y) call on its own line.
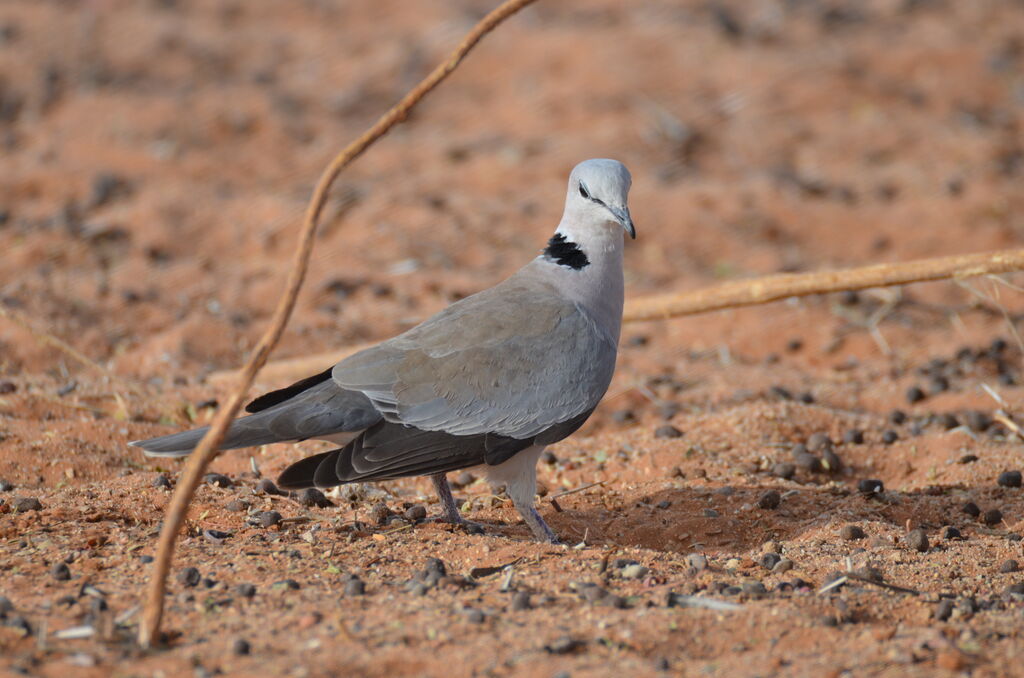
point(487, 383)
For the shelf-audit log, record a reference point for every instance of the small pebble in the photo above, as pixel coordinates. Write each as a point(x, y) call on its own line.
point(162, 481)
point(268, 518)
point(6, 606)
point(241, 646)
point(770, 560)
point(563, 645)
point(915, 395)
point(22, 504)
point(189, 577)
point(967, 459)
point(6, 486)
point(1010, 565)
point(938, 384)
point(379, 513)
point(267, 486)
point(475, 616)
point(697, 561)
point(852, 533)
point(753, 587)
point(1009, 479)
point(977, 421)
point(897, 417)
point(7, 387)
point(635, 571)
point(992, 517)
point(854, 437)
point(217, 479)
point(784, 565)
point(770, 500)
point(245, 590)
point(314, 497)
point(415, 513)
point(948, 421)
point(60, 571)
point(287, 585)
point(807, 462)
point(890, 436)
point(830, 461)
point(463, 479)
point(520, 601)
point(818, 442)
point(667, 431)
point(950, 532)
point(918, 540)
point(870, 486)
point(784, 470)
point(236, 506)
point(971, 509)
point(355, 587)
point(944, 610)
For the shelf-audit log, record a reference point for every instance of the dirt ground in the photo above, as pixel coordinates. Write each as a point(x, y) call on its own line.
point(157, 156)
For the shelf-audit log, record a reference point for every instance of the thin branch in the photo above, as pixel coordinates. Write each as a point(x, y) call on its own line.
point(776, 287)
point(207, 448)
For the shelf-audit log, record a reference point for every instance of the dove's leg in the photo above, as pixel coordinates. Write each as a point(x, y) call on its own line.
point(449, 510)
point(519, 475)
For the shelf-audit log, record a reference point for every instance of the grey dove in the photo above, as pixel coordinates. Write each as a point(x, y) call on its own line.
point(488, 382)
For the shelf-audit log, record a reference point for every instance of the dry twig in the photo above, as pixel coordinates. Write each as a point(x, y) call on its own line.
point(207, 447)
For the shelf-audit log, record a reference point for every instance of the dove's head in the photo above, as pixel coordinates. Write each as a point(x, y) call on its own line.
point(598, 191)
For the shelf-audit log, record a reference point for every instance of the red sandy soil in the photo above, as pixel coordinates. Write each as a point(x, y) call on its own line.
point(156, 158)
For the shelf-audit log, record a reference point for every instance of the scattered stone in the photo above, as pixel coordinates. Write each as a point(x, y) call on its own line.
point(967, 459)
point(938, 384)
point(287, 585)
point(870, 486)
point(977, 421)
point(818, 442)
point(162, 481)
point(215, 536)
point(697, 561)
point(218, 480)
point(189, 577)
point(950, 533)
point(1008, 566)
point(770, 500)
point(267, 486)
point(145, 559)
point(236, 506)
point(415, 513)
point(6, 486)
point(268, 518)
point(971, 509)
point(663, 504)
point(948, 421)
point(520, 601)
point(563, 645)
point(314, 497)
point(992, 517)
point(634, 571)
point(1009, 479)
point(770, 560)
point(709, 513)
point(784, 470)
point(667, 431)
point(870, 573)
point(807, 461)
point(1015, 590)
point(245, 590)
point(60, 571)
point(23, 504)
point(890, 436)
point(854, 437)
point(915, 395)
point(754, 588)
point(241, 646)
point(918, 540)
point(944, 610)
point(7, 387)
point(354, 587)
point(379, 513)
point(852, 533)
point(6, 606)
point(830, 461)
point(784, 565)
point(897, 417)
point(475, 616)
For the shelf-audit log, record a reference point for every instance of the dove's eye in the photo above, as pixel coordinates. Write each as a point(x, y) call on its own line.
point(584, 192)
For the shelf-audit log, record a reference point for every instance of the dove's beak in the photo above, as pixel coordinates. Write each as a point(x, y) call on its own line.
point(621, 215)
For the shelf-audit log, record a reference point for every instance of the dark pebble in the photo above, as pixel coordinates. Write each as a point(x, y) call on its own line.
point(784, 470)
point(818, 442)
point(6, 606)
point(216, 536)
point(1009, 479)
point(870, 486)
point(60, 571)
point(379, 513)
point(794, 345)
point(314, 497)
point(992, 517)
point(6, 486)
point(563, 645)
point(897, 417)
point(218, 480)
point(146, 559)
point(807, 398)
point(781, 392)
point(415, 513)
point(663, 504)
point(854, 437)
point(435, 566)
point(22, 504)
point(463, 479)
point(890, 436)
point(1010, 565)
point(948, 421)
point(938, 384)
point(770, 560)
point(971, 509)
point(355, 587)
point(944, 610)
point(967, 459)
point(267, 486)
point(189, 577)
point(918, 540)
point(852, 533)
point(831, 462)
point(245, 590)
point(915, 395)
point(548, 457)
point(520, 601)
point(1015, 590)
point(162, 481)
point(475, 616)
point(667, 431)
point(808, 462)
point(977, 421)
point(7, 387)
point(770, 500)
point(623, 416)
point(287, 585)
point(241, 646)
point(236, 505)
point(950, 532)
point(754, 588)
point(268, 518)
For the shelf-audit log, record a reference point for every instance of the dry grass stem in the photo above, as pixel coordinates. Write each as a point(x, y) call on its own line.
point(207, 448)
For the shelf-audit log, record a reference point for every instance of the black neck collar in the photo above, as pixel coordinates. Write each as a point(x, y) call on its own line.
point(565, 252)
